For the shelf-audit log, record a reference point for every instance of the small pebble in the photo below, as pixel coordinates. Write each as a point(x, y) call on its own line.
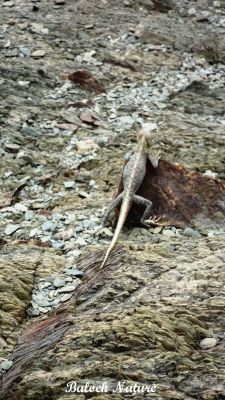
point(70, 245)
point(38, 54)
point(59, 2)
point(45, 239)
point(8, 3)
point(25, 51)
point(28, 216)
point(168, 232)
point(192, 11)
point(208, 343)
point(20, 207)
point(73, 272)
point(58, 282)
point(2, 343)
point(81, 242)
point(55, 302)
point(158, 229)
point(30, 131)
point(33, 232)
point(66, 289)
point(67, 234)
point(66, 297)
point(34, 313)
point(92, 182)
point(12, 147)
point(69, 279)
point(11, 228)
point(48, 226)
point(69, 184)
point(74, 253)
point(191, 233)
point(44, 310)
point(57, 244)
point(6, 364)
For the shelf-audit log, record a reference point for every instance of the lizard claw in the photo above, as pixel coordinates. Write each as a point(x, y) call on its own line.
point(154, 158)
point(152, 221)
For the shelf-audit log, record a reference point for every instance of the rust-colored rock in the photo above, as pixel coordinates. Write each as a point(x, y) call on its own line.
point(180, 196)
point(86, 80)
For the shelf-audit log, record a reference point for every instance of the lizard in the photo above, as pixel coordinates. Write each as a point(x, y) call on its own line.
point(133, 176)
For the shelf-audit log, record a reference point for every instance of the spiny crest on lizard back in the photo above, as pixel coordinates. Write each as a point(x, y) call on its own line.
point(148, 130)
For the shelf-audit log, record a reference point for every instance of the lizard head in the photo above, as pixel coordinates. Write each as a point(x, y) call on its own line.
point(148, 130)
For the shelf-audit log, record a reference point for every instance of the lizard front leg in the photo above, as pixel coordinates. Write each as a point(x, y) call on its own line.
point(154, 158)
point(128, 155)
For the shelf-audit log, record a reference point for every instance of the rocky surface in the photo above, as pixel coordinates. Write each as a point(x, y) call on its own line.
point(156, 313)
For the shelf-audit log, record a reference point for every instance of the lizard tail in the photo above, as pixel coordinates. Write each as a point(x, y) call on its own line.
point(121, 220)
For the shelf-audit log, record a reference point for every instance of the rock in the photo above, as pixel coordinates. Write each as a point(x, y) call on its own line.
point(33, 232)
point(28, 216)
point(66, 297)
point(126, 121)
point(43, 285)
point(191, 233)
point(66, 289)
point(84, 146)
point(81, 242)
point(69, 279)
point(158, 229)
point(69, 184)
point(8, 4)
point(11, 228)
point(208, 343)
point(38, 54)
point(2, 343)
point(57, 216)
point(2, 152)
point(38, 27)
point(6, 364)
point(58, 282)
point(25, 51)
point(44, 310)
point(55, 302)
point(40, 299)
point(73, 272)
point(34, 313)
point(87, 117)
point(48, 226)
point(47, 238)
point(74, 253)
point(78, 229)
point(192, 11)
point(57, 244)
point(30, 131)
point(168, 233)
point(24, 83)
point(208, 172)
point(66, 235)
point(20, 207)
point(70, 244)
point(13, 147)
point(83, 194)
point(59, 2)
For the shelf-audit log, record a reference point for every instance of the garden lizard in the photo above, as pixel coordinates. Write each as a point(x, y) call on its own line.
point(133, 175)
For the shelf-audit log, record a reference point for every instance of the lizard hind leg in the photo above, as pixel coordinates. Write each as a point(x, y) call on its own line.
point(146, 220)
point(148, 205)
point(115, 203)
